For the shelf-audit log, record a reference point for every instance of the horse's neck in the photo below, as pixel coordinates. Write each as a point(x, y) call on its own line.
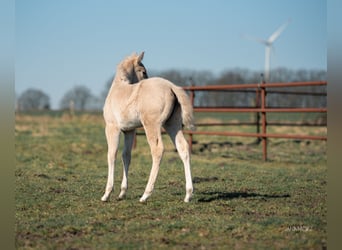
point(122, 82)
point(122, 94)
point(121, 85)
point(122, 78)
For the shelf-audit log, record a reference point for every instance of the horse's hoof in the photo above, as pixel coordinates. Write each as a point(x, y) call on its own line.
point(144, 198)
point(187, 199)
point(121, 197)
point(104, 198)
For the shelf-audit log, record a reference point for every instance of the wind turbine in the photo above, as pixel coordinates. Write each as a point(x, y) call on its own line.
point(268, 46)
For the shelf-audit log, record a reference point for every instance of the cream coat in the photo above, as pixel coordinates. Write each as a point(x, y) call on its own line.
point(134, 101)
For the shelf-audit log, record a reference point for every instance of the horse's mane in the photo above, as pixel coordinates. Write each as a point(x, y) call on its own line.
point(124, 67)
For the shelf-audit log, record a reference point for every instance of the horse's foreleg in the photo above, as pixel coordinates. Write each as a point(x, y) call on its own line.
point(155, 141)
point(113, 136)
point(126, 160)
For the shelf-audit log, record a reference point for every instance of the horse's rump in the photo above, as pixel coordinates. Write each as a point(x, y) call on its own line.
point(159, 95)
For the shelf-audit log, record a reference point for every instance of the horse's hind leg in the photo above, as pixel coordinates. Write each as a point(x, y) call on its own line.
point(113, 136)
point(126, 160)
point(154, 138)
point(174, 128)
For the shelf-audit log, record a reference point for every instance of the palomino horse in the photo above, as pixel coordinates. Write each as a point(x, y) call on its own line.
point(134, 101)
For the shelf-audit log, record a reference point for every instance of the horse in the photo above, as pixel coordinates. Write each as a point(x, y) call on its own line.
point(134, 100)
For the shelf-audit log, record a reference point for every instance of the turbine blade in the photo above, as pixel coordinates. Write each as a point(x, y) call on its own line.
point(255, 39)
point(277, 33)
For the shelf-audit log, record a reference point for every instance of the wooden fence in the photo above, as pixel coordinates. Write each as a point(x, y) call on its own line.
point(260, 109)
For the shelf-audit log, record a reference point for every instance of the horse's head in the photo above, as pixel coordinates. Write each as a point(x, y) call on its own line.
point(132, 69)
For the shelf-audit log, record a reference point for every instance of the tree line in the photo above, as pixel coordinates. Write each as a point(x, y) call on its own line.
point(81, 98)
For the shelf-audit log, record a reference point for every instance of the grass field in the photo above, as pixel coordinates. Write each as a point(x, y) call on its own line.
point(240, 201)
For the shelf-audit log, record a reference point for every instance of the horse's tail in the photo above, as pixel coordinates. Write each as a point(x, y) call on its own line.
point(186, 107)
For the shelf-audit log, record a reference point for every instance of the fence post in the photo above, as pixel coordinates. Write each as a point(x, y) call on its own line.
point(257, 115)
point(134, 141)
point(263, 120)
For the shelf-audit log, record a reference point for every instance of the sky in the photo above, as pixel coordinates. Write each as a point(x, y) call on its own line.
point(61, 44)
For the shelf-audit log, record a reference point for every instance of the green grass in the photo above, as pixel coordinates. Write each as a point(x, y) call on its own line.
point(240, 202)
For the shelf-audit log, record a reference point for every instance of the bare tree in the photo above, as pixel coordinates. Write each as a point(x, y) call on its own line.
point(244, 76)
point(80, 96)
point(33, 99)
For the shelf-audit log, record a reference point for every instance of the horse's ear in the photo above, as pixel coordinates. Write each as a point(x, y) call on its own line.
point(141, 56)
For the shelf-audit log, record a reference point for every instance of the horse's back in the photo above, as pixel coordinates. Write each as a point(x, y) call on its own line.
point(156, 99)
point(151, 101)
point(157, 82)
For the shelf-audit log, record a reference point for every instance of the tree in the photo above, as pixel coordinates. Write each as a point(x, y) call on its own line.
point(79, 97)
point(235, 98)
point(187, 78)
point(33, 99)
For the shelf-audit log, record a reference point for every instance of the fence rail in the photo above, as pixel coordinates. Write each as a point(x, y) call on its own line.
point(240, 110)
point(253, 86)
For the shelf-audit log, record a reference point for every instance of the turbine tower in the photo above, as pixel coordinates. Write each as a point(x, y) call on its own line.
point(268, 47)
